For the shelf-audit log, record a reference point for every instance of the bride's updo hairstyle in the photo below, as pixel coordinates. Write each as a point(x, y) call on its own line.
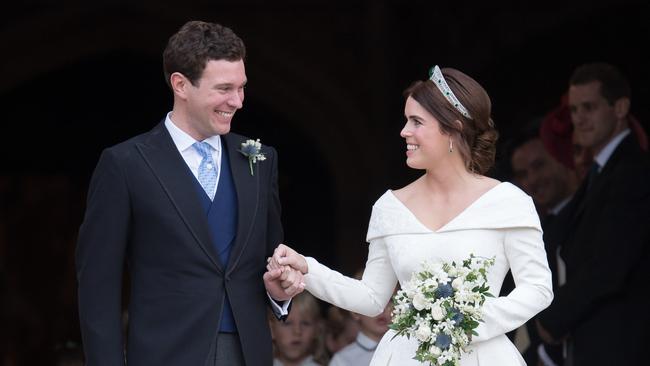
point(451, 96)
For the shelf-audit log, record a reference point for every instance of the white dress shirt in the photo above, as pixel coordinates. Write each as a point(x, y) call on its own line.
point(192, 158)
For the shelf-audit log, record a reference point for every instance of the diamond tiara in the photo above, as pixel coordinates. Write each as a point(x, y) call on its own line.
point(435, 75)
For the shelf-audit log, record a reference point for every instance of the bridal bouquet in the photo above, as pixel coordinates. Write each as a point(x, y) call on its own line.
point(441, 306)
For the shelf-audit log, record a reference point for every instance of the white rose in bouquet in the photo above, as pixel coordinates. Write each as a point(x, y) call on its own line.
point(423, 333)
point(437, 312)
point(419, 301)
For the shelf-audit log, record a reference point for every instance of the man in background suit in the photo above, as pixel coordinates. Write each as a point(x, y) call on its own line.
point(542, 167)
point(194, 220)
point(601, 309)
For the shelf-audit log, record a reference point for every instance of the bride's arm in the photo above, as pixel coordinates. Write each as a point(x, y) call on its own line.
point(367, 296)
point(533, 292)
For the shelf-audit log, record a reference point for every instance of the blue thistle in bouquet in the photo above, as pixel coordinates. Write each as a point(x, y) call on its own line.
point(441, 306)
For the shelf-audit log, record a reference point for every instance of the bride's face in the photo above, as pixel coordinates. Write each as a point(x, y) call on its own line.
point(425, 142)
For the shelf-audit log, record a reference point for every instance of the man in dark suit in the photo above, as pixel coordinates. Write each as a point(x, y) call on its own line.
point(548, 177)
point(193, 218)
point(601, 309)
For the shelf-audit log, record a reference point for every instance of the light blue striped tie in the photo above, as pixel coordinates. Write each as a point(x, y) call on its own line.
point(208, 170)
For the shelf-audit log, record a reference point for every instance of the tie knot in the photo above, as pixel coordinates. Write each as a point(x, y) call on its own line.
point(203, 148)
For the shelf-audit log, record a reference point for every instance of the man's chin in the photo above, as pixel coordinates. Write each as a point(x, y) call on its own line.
point(221, 130)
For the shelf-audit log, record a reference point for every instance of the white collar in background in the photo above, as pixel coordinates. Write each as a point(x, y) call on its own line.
point(365, 342)
point(603, 156)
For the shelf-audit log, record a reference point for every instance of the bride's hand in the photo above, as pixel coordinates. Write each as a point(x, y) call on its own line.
point(272, 264)
point(285, 256)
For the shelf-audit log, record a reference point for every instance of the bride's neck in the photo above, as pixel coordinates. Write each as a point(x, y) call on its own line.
point(448, 181)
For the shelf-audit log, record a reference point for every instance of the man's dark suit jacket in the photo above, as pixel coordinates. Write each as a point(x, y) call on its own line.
point(602, 305)
point(143, 210)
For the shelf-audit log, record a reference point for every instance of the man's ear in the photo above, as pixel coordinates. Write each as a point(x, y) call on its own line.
point(622, 107)
point(179, 84)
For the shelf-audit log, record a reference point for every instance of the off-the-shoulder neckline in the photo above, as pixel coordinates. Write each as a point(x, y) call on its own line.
point(441, 228)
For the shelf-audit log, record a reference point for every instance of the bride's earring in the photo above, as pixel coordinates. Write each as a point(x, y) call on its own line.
point(451, 145)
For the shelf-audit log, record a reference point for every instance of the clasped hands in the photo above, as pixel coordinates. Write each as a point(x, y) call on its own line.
point(284, 273)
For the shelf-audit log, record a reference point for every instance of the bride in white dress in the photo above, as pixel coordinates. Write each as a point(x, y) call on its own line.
point(448, 213)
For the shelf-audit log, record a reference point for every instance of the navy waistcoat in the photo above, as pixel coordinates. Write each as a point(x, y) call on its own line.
point(222, 223)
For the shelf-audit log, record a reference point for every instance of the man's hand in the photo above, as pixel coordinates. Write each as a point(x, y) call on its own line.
point(285, 256)
point(283, 283)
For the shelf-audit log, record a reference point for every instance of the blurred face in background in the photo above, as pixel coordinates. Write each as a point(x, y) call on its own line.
point(375, 327)
point(582, 156)
point(336, 341)
point(538, 174)
point(594, 119)
point(295, 338)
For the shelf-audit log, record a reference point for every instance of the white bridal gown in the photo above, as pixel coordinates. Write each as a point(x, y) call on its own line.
point(501, 223)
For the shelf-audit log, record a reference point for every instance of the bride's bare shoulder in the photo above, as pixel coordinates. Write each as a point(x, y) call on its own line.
point(407, 191)
point(488, 182)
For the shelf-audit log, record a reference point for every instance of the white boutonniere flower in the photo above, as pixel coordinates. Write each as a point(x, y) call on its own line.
point(251, 149)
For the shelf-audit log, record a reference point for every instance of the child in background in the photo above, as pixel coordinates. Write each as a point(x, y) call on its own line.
point(340, 330)
point(371, 330)
point(298, 341)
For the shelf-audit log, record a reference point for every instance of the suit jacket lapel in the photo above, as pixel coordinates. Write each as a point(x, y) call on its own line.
point(248, 191)
point(585, 196)
point(168, 165)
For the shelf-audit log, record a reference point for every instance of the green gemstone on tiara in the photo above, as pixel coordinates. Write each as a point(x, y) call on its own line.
point(435, 75)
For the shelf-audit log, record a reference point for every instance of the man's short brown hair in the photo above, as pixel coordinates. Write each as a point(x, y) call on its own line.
point(196, 43)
